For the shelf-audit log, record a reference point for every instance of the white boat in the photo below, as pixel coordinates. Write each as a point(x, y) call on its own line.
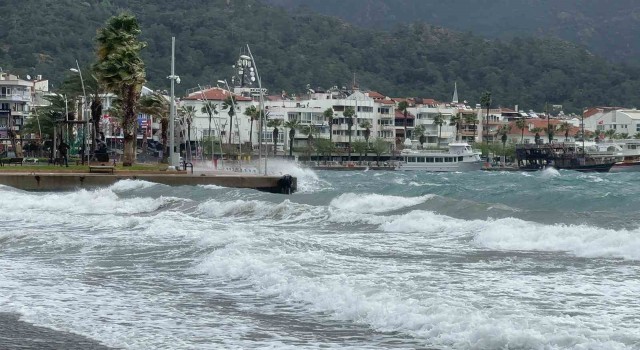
point(630, 155)
point(459, 157)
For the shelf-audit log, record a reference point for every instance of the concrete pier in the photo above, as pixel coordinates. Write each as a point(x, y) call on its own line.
point(42, 181)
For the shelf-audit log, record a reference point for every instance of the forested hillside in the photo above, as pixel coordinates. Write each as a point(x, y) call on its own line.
point(608, 28)
point(45, 37)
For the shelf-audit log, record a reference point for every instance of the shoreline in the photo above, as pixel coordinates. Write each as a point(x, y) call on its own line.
point(18, 334)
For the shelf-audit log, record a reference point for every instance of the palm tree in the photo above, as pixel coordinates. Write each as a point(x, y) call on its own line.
point(275, 123)
point(565, 126)
point(328, 116)
point(210, 109)
point(158, 106)
point(229, 103)
point(597, 134)
point(402, 107)
point(521, 124)
point(120, 69)
point(367, 133)
point(636, 135)
point(504, 131)
point(550, 131)
point(611, 133)
point(439, 121)
point(471, 119)
point(253, 114)
point(456, 120)
point(292, 125)
point(419, 131)
point(188, 113)
point(485, 101)
point(348, 115)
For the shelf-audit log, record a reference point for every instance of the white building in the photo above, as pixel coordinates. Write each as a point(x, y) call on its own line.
point(623, 121)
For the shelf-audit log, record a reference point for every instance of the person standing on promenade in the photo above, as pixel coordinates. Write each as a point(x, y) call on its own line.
point(63, 153)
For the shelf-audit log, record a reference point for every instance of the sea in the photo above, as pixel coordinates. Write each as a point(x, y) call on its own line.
point(352, 260)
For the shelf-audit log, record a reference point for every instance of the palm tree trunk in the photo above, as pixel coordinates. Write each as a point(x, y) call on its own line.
point(251, 134)
point(230, 127)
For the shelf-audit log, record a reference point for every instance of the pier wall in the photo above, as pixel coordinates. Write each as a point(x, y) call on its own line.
point(67, 182)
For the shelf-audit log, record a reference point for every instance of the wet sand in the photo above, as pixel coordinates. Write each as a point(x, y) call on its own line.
point(19, 335)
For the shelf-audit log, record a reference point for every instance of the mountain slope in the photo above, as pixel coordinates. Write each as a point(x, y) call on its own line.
point(295, 50)
point(609, 28)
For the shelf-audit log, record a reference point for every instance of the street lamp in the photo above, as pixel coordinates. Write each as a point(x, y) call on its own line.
point(244, 68)
point(262, 124)
point(84, 101)
point(173, 160)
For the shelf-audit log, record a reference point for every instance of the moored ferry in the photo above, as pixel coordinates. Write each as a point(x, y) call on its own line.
point(458, 157)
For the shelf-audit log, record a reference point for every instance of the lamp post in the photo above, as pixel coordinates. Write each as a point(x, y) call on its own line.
point(233, 105)
point(84, 101)
point(173, 159)
point(261, 123)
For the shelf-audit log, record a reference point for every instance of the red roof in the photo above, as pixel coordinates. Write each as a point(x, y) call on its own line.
point(542, 124)
point(375, 95)
point(400, 115)
point(213, 94)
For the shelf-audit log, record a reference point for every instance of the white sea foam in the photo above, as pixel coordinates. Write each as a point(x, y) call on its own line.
point(579, 240)
point(375, 203)
point(549, 173)
point(101, 201)
point(438, 320)
point(130, 185)
point(256, 209)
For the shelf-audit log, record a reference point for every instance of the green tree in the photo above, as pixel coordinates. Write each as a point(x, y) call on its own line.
point(611, 133)
point(379, 146)
point(324, 147)
point(120, 69)
point(359, 147)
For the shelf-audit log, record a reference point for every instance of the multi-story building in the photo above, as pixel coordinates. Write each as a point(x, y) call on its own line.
point(15, 100)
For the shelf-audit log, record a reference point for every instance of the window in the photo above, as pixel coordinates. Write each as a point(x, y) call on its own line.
point(429, 159)
point(412, 159)
point(420, 159)
point(439, 160)
point(459, 159)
